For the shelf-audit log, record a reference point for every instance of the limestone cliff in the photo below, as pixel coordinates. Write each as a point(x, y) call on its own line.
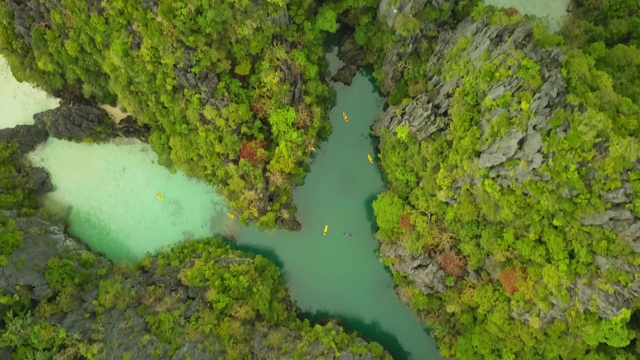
point(514, 155)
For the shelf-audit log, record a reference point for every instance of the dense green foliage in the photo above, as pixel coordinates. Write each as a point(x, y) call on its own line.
point(232, 89)
point(420, 28)
point(13, 195)
point(239, 298)
point(609, 31)
point(529, 233)
point(13, 192)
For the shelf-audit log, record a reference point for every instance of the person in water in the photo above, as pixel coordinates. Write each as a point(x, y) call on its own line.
point(347, 234)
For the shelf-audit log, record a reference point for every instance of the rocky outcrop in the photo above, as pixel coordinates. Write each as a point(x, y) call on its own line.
point(75, 122)
point(289, 224)
point(345, 75)
point(389, 10)
point(425, 271)
point(37, 180)
point(595, 294)
point(28, 137)
point(204, 81)
point(29, 14)
point(392, 66)
point(428, 114)
point(129, 128)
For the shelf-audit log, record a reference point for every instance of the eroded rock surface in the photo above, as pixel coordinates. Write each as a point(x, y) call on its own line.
point(28, 137)
point(427, 116)
point(75, 121)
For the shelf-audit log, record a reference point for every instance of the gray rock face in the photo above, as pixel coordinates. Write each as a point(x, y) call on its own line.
point(425, 271)
point(129, 128)
point(345, 75)
point(392, 68)
point(28, 137)
point(26, 265)
point(592, 294)
point(73, 121)
point(39, 180)
point(203, 81)
point(28, 14)
point(618, 219)
point(388, 12)
point(428, 114)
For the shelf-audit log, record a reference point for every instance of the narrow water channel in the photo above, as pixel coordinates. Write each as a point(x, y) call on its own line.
point(336, 275)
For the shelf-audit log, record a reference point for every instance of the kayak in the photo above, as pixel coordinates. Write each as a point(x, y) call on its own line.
point(370, 158)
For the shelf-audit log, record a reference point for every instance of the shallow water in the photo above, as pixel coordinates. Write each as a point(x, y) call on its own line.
point(19, 101)
point(110, 194)
point(553, 11)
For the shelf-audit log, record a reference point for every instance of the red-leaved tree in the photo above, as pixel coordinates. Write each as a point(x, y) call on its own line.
point(250, 151)
point(453, 263)
point(508, 278)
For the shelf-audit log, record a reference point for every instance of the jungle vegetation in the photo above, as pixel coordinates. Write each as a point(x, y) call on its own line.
point(530, 231)
point(233, 89)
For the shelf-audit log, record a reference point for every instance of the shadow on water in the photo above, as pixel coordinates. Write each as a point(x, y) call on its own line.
point(98, 236)
point(371, 331)
point(368, 206)
point(262, 251)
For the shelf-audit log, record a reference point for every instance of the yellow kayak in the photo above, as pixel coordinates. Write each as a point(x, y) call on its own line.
point(370, 158)
point(160, 196)
point(231, 215)
point(346, 118)
point(326, 228)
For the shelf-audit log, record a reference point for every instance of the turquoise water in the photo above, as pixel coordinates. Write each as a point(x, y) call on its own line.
point(109, 194)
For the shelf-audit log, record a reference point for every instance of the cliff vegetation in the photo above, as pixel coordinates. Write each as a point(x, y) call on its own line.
point(511, 218)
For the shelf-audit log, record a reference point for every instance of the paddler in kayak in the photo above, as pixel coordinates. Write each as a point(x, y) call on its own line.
point(346, 118)
point(326, 228)
point(160, 196)
point(230, 215)
point(370, 158)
